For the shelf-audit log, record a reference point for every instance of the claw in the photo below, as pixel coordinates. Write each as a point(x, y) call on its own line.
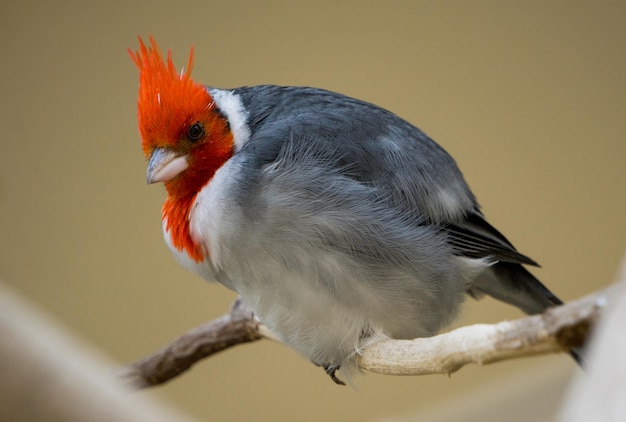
point(330, 370)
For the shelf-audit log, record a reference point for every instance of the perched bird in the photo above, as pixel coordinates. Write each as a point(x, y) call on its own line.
point(337, 221)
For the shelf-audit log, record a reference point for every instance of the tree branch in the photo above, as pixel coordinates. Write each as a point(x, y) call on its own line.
point(557, 330)
point(236, 327)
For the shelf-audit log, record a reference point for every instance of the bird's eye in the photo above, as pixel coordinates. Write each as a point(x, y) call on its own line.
point(195, 131)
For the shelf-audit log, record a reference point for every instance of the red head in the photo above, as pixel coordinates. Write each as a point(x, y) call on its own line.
point(178, 116)
point(184, 135)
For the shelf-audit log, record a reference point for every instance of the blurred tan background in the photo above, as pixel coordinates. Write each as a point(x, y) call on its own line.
point(528, 96)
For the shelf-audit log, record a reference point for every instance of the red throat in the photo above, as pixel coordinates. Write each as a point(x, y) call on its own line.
point(175, 213)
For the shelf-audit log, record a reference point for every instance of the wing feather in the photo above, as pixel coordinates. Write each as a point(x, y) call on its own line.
point(474, 237)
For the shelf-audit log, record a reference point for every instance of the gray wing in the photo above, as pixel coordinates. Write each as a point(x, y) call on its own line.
point(379, 149)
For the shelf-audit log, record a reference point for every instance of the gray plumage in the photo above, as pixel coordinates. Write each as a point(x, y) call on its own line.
point(339, 222)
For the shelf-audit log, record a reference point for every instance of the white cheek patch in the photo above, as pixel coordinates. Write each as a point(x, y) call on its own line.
point(230, 104)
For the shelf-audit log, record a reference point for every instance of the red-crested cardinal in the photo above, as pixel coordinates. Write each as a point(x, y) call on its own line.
point(337, 221)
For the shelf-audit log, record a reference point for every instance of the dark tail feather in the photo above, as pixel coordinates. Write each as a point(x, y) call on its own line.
point(513, 284)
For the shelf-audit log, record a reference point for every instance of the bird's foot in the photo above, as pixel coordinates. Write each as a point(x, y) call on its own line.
point(331, 370)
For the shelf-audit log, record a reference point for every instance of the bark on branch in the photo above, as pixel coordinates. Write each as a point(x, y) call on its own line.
point(556, 330)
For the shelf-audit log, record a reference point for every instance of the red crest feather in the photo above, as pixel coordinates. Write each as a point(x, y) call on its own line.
point(167, 99)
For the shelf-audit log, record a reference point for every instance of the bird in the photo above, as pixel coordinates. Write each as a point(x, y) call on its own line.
point(337, 221)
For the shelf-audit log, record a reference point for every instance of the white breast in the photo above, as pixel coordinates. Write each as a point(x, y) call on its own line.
point(215, 217)
point(203, 269)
